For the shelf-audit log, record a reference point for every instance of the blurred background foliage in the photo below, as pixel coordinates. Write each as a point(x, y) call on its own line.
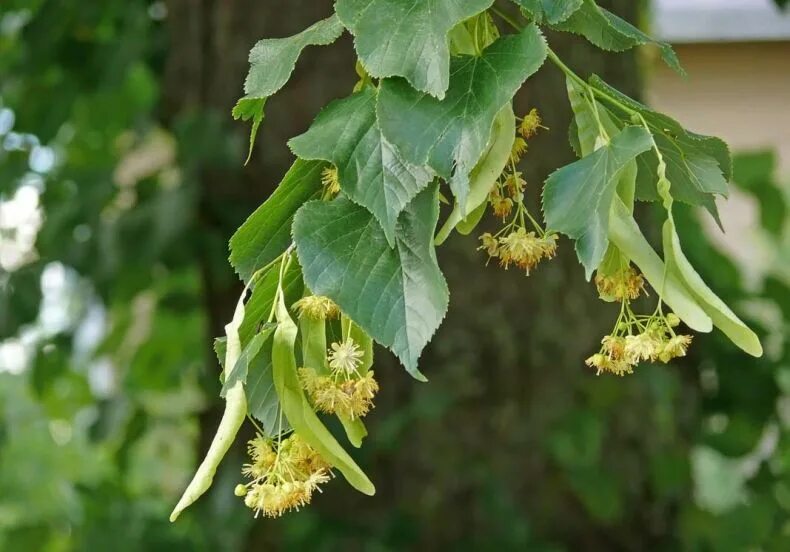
point(121, 180)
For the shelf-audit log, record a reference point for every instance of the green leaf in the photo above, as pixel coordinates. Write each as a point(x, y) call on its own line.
point(262, 400)
point(610, 32)
point(247, 357)
point(259, 305)
point(272, 61)
point(398, 296)
point(626, 235)
point(407, 38)
point(298, 410)
point(248, 109)
point(267, 232)
point(698, 166)
point(220, 347)
point(450, 135)
point(698, 175)
point(578, 197)
point(484, 175)
point(549, 11)
point(370, 170)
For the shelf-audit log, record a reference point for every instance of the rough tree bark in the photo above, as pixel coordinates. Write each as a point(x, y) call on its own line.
point(455, 459)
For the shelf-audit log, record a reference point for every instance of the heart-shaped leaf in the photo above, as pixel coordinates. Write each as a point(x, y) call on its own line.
point(397, 295)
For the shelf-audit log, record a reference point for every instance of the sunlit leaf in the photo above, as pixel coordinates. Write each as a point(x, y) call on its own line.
point(407, 38)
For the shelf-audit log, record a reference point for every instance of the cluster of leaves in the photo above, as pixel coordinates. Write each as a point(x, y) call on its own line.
point(431, 89)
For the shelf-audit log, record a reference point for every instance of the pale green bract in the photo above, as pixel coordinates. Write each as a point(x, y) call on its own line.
point(483, 176)
point(678, 265)
point(626, 235)
point(297, 409)
point(232, 418)
point(416, 46)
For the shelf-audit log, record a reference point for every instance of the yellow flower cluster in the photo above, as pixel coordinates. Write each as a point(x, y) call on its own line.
point(625, 284)
point(518, 150)
point(507, 193)
point(352, 398)
point(331, 181)
point(656, 341)
point(343, 390)
point(514, 243)
point(317, 307)
point(284, 475)
point(530, 124)
point(501, 205)
point(519, 247)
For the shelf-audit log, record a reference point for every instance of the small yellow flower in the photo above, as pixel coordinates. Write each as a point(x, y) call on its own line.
point(362, 395)
point(345, 356)
point(675, 347)
point(644, 346)
point(614, 346)
point(515, 185)
point(626, 284)
point(331, 180)
point(332, 399)
point(549, 244)
point(352, 398)
point(518, 150)
point(288, 482)
point(262, 455)
point(490, 244)
point(603, 363)
point(317, 307)
point(502, 206)
point(530, 124)
point(525, 249)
